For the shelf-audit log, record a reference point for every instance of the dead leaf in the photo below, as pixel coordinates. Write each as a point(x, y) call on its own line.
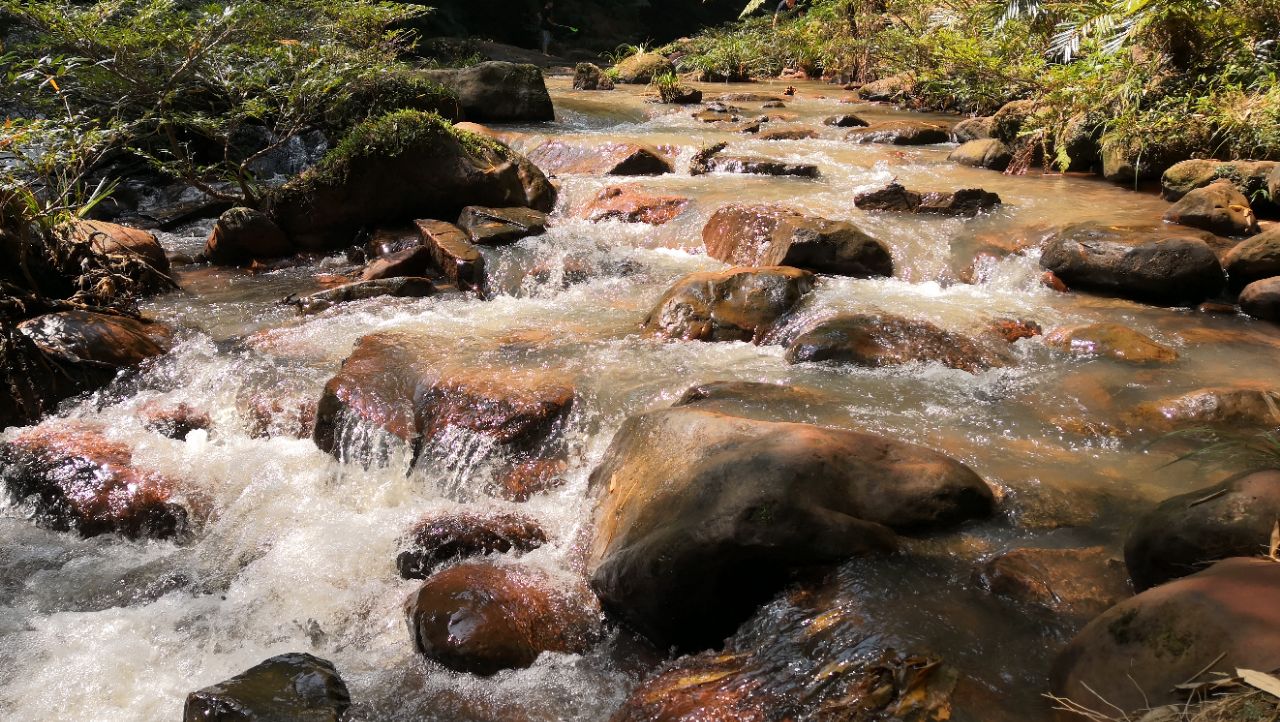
point(1261, 680)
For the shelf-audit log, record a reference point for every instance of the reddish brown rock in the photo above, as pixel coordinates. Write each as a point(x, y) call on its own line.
point(1219, 407)
point(773, 235)
point(411, 262)
point(275, 415)
point(1261, 299)
point(1050, 280)
point(1218, 208)
point(442, 538)
point(83, 336)
point(865, 339)
point(894, 197)
point(631, 204)
point(710, 160)
point(77, 479)
point(453, 254)
point(788, 134)
point(1136, 654)
point(530, 477)
point(390, 381)
point(501, 226)
point(1012, 330)
point(243, 235)
point(1079, 582)
point(483, 619)
point(121, 240)
point(559, 157)
point(1110, 340)
point(174, 421)
point(394, 287)
point(740, 304)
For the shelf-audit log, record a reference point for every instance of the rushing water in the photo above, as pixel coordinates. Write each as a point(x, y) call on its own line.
point(298, 552)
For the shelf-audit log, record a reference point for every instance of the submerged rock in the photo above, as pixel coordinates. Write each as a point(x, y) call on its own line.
point(868, 339)
point(244, 235)
point(483, 619)
point(501, 226)
point(774, 235)
point(397, 287)
point(399, 167)
point(295, 687)
point(1218, 208)
point(1254, 259)
point(1261, 299)
point(559, 157)
point(788, 134)
point(702, 516)
point(414, 262)
point(587, 76)
point(1222, 407)
point(389, 382)
point(174, 421)
point(1110, 340)
point(983, 153)
point(1136, 654)
point(740, 304)
point(1080, 582)
point(77, 479)
point(497, 92)
point(442, 538)
point(632, 204)
point(1148, 267)
point(1187, 533)
point(901, 132)
point(894, 197)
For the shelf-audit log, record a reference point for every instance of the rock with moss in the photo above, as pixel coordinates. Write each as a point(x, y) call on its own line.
point(1249, 177)
point(498, 92)
point(399, 167)
point(983, 153)
point(642, 68)
point(387, 93)
point(894, 87)
point(1007, 123)
point(587, 76)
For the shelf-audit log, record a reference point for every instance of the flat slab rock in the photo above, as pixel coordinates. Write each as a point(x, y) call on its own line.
point(901, 132)
point(1221, 407)
point(1079, 582)
point(711, 160)
point(875, 340)
point(393, 382)
point(631, 204)
point(501, 226)
point(77, 479)
point(775, 235)
point(286, 687)
point(1110, 340)
point(395, 287)
point(559, 157)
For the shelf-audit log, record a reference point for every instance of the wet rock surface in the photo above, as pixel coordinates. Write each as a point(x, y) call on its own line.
point(107, 342)
point(75, 478)
point(771, 235)
point(631, 204)
point(687, 543)
point(983, 153)
point(1189, 532)
point(1110, 340)
point(1134, 655)
point(901, 132)
point(174, 421)
point(453, 254)
point(740, 304)
point(482, 619)
point(1218, 208)
point(121, 240)
point(846, 120)
point(501, 226)
point(873, 340)
point(1261, 299)
point(587, 76)
point(1221, 407)
point(558, 157)
point(442, 538)
point(395, 287)
point(712, 160)
point(894, 197)
point(243, 235)
point(1254, 259)
point(1248, 177)
point(298, 687)
point(1077, 582)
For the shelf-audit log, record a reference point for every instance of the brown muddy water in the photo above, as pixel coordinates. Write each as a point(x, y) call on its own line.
point(298, 554)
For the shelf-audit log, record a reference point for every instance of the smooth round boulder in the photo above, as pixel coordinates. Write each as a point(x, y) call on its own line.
point(111, 238)
point(876, 340)
point(441, 538)
point(845, 120)
point(971, 129)
point(1254, 259)
point(1187, 533)
point(243, 235)
point(1151, 268)
point(1218, 208)
point(83, 336)
point(1007, 122)
point(296, 687)
point(1110, 340)
point(702, 515)
point(498, 92)
point(1249, 177)
point(1135, 655)
point(642, 68)
point(587, 76)
point(1261, 299)
point(482, 619)
point(1220, 407)
point(775, 235)
point(986, 153)
point(740, 304)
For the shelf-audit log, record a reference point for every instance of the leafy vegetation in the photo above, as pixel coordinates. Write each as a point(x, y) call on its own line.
point(1149, 81)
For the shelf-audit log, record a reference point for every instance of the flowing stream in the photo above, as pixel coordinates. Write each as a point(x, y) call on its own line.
point(298, 553)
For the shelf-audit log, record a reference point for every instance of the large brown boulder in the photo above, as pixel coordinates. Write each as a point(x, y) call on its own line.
point(1110, 340)
point(1150, 267)
point(641, 68)
point(114, 342)
point(285, 687)
point(244, 235)
point(1218, 208)
point(497, 92)
point(562, 157)
point(1081, 583)
point(1261, 299)
point(442, 538)
point(632, 204)
point(1254, 259)
point(1135, 655)
point(399, 167)
point(894, 87)
point(987, 153)
point(901, 132)
point(701, 515)
point(740, 304)
point(1008, 121)
point(483, 619)
point(773, 235)
point(136, 243)
point(392, 382)
point(972, 129)
point(1187, 533)
point(870, 339)
point(414, 262)
point(77, 479)
point(1248, 176)
point(1221, 407)
point(894, 197)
